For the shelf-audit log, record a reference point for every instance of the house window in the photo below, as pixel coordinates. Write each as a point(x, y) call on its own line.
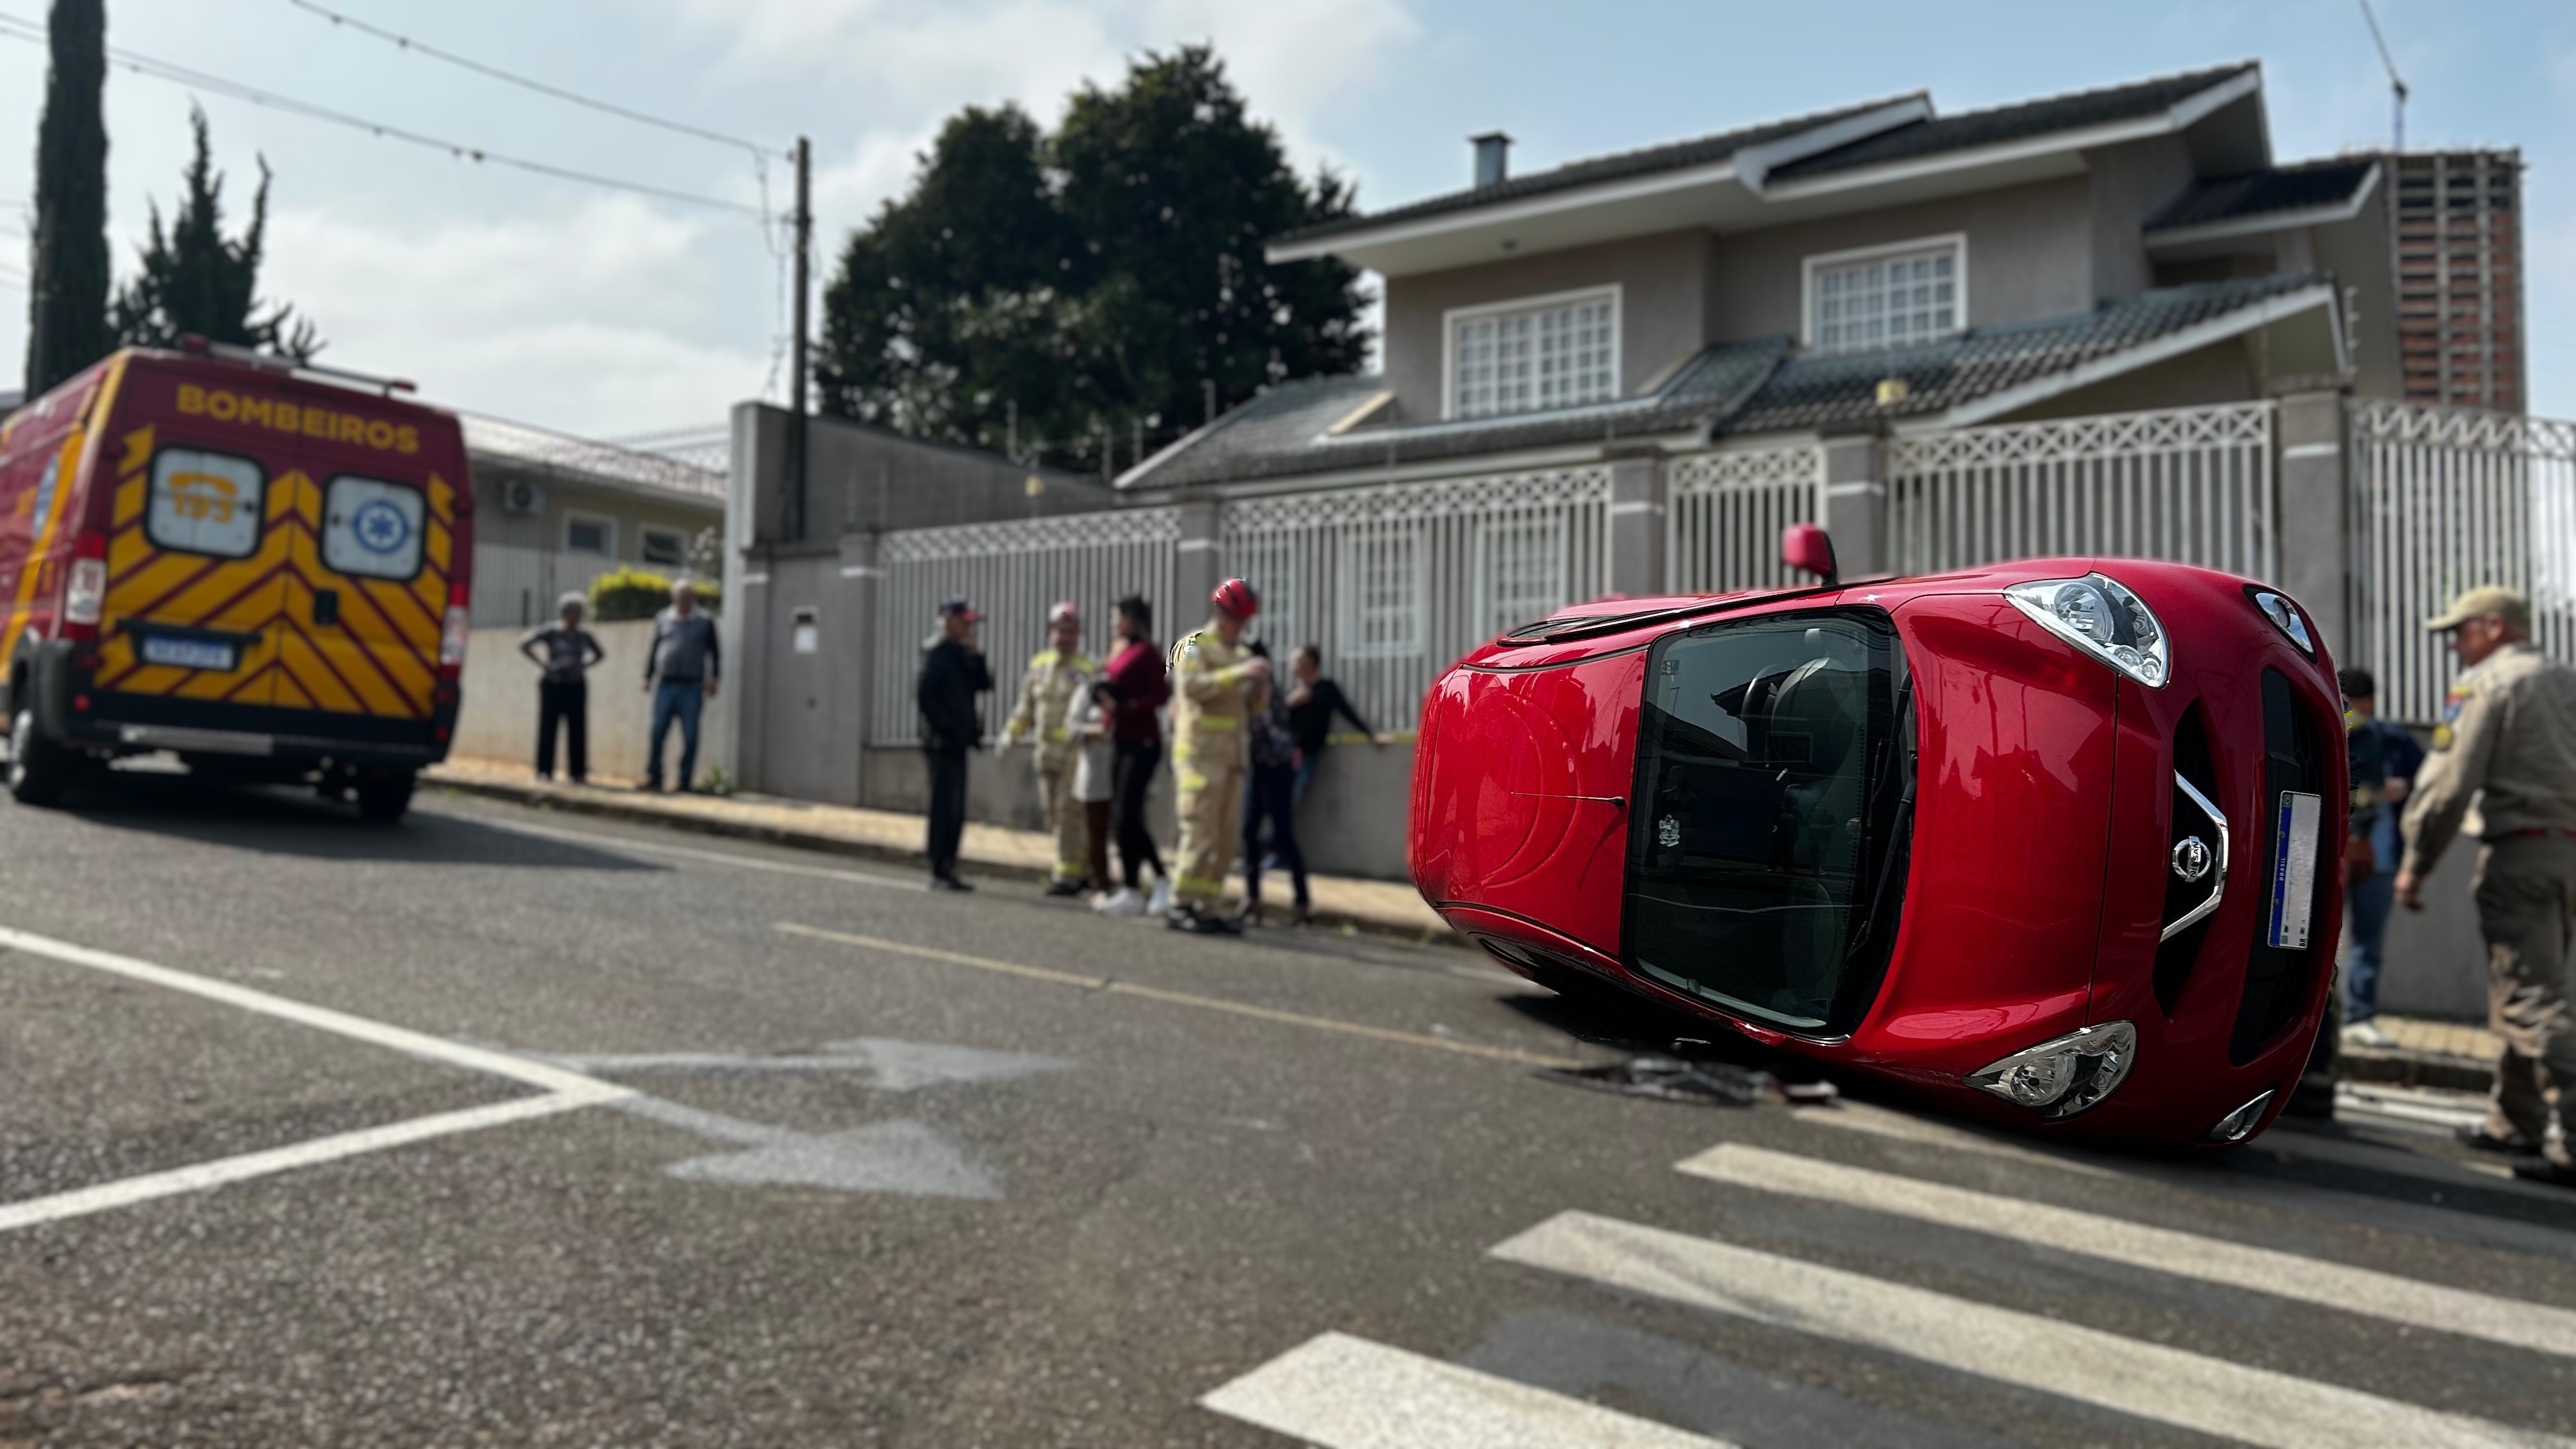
point(1886, 296)
point(1549, 352)
point(1382, 597)
point(1524, 574)
point(665, 547)
point(590, 533)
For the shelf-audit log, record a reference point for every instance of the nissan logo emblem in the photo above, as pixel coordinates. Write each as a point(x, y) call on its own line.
point(2191, 858)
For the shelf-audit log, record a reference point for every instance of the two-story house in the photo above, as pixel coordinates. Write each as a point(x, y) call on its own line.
point(1883, 266)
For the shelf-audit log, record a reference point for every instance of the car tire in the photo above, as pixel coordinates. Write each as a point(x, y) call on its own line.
point(38, 769)
point(382, 799)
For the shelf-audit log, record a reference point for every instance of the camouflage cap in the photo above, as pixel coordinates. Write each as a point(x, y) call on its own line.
point(2480, 603)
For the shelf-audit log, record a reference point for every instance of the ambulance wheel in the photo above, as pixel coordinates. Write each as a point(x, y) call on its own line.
point(38, 768)
point(382, 799)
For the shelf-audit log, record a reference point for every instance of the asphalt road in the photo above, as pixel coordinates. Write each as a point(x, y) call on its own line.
point(511, 1128)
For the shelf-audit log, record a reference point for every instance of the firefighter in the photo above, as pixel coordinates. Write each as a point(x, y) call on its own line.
point(2507, 745)
point(1057, 674)
point(1216, 688)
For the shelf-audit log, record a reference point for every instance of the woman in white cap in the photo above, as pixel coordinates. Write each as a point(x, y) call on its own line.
point(565, 651)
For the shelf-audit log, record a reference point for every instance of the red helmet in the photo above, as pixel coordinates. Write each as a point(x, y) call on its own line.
point(1236, 598)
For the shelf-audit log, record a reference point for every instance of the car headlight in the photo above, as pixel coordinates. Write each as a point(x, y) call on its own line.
point(2285, 616)
point(2099, 615)
point(2060, 1078)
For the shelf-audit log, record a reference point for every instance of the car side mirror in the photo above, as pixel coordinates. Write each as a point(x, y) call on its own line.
point(1809, 550)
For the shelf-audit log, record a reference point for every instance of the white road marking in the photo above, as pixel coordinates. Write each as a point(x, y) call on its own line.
point(341, 1023)
point(1341, 1392)
point(2189, 1255)
point(563, 1090)
point(2150, 1381)
point(1876, 1121)
point(198, 1177)
point(2434, 1111)
point(683, 852)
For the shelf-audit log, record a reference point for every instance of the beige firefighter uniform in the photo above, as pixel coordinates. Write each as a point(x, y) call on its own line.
point(2507, 746)
point(1047, 691)
point(1212, 697)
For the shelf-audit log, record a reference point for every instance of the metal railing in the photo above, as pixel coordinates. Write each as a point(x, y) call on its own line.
point(1722, 524)
point(517, 587)
point(1012, 573)
point(2193, 485)
point(1396, 582)
point(2448, 499)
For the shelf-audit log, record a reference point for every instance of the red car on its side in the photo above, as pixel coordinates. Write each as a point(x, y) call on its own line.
point(2059, 839)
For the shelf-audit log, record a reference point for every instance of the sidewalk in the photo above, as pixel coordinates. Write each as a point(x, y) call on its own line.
point(2428, 1054)
point(1382, 906)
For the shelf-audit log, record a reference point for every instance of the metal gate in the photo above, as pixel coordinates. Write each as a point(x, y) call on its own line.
point(1722, 527)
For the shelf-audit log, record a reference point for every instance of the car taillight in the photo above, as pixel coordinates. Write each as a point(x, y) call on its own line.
point(85, 588)
point(451, 642)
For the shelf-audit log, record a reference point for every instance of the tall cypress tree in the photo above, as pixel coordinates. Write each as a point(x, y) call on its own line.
point(68, 282)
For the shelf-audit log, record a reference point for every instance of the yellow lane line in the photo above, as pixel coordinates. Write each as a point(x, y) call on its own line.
point(1178, 998)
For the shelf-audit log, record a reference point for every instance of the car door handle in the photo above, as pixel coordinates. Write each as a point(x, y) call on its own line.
point(326, 606)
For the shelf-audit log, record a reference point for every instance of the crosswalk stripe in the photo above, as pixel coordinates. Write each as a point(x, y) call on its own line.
point(1904, 1127)
point(2164, 1250)
point(1342, 1392)
point(2148, 1380)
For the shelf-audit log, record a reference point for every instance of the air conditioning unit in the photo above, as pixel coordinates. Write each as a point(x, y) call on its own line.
point(521, 496)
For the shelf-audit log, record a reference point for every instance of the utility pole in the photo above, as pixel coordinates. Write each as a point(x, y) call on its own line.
point(797, 346)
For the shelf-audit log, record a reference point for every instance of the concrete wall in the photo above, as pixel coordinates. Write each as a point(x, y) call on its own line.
point(862, 479)
point(498, 720)
point(2124, 185)
point(2029, 251)
point(1663, 284)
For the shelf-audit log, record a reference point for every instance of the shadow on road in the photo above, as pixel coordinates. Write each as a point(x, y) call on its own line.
point(282, 821)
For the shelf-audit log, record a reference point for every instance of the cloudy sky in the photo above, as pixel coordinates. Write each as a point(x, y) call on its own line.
point(612, 314)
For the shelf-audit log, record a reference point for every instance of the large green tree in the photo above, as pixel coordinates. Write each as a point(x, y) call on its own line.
point(1090, 285)
point(68, 271)
point(194, 279)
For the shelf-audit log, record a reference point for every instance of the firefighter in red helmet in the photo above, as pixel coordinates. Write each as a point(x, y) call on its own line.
point(1216, 690)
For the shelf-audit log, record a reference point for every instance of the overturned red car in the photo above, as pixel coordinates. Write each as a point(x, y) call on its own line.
point(2058, 840)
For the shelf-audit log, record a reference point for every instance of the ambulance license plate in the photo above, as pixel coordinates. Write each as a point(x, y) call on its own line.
point(187, 653)
point(2294, 868)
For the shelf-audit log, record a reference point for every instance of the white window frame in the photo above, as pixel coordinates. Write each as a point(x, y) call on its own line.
point(1956, 241)
point(1495, 613)
point(1449, 320)
point(606, 523)
point(1354, 642)
point(644, 536)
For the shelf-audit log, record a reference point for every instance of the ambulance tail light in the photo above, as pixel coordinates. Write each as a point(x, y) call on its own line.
point(451, 637)
point(85, 589)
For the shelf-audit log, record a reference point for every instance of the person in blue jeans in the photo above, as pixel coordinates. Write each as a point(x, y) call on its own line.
point(2384, 759)
point(680, 672)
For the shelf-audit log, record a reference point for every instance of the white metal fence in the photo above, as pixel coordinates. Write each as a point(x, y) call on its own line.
point(2448, 499)
point(2190, 484)
point(1722, 525)
point(1011, 573)
point(1396, 582)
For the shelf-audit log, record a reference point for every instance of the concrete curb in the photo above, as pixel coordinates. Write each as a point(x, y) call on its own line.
point(2416, 1069)
point(609, 807)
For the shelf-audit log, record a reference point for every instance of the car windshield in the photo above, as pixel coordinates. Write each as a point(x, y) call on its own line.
point(1766, 861)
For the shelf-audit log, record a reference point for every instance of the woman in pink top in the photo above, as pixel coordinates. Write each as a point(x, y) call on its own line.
point(1136, 733)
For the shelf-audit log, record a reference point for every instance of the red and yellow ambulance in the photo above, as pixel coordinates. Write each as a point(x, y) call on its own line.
point(219, 555)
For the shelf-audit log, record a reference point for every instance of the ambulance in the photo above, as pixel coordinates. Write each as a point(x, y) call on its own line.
point(257, 567)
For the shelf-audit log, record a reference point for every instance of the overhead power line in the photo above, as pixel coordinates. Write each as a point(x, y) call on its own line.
point(14, 28)
point(611, 108)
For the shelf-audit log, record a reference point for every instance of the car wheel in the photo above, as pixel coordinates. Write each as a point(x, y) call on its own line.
point(382, 799)
point(38, 768)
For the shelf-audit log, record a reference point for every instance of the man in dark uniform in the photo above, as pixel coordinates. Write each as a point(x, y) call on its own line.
point(2384, 760)
point(2504, 766)
point(952, 674)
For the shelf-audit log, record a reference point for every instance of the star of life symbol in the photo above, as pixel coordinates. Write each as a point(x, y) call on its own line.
point(380, 527)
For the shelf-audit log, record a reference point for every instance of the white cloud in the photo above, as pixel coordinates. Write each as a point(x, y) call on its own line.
point(617, 334)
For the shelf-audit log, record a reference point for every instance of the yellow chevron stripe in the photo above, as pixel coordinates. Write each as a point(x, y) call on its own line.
point(290, 694)
point(313, 677)
point(129, 503)
point(138, 451)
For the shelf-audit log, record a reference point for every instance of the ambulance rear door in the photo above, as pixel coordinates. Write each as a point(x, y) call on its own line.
point(369, 586)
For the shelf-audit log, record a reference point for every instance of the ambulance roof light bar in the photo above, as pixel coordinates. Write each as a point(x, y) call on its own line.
point(273, 362)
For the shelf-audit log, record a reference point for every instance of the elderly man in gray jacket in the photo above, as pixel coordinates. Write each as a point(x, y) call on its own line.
point(680, 673)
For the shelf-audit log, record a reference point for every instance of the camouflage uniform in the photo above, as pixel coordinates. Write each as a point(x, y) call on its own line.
point(1047, 692)
point(1211, 702)
point(2507, 744)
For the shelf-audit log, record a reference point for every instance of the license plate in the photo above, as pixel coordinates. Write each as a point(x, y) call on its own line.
point(187, 653)
point(2294, 868)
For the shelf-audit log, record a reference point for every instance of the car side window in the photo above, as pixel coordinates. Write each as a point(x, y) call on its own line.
point(371, 528)
point(202, 502)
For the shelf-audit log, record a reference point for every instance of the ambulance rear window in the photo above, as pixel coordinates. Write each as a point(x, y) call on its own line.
point(371, 528)
point(205, 503)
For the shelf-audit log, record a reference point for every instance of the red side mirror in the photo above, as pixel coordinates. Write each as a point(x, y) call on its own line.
point(1806, 548)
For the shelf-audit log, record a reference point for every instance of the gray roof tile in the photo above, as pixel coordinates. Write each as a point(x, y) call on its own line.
point(2283, 188)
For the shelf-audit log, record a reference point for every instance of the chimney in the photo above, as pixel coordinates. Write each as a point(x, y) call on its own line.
point(1493, 158)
